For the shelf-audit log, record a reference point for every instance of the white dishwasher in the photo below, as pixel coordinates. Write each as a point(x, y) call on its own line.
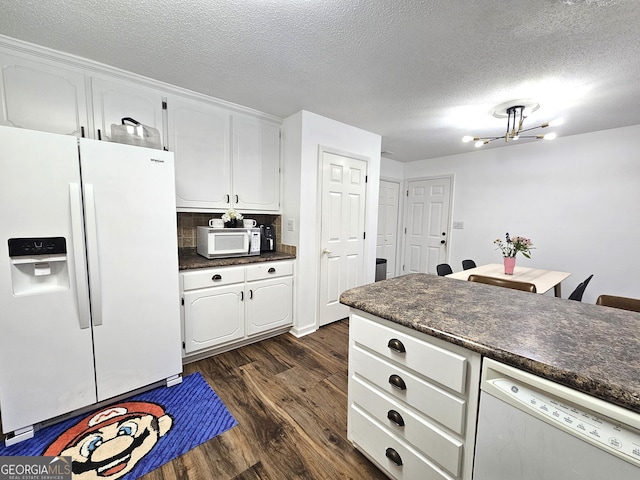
point(532, 429)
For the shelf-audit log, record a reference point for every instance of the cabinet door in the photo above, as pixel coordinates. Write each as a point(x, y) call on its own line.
point(199, 137)
point(38, 95)
point(113, 101)
point(256, 164)
point(269, 304)
point(213, 316)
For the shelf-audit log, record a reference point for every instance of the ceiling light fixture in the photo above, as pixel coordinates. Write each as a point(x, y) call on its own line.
point(515, 112)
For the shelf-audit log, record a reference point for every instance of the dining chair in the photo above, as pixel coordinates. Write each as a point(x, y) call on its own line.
point(579, 291)
point(499, 282)
point(443, 269)
point(467, 264)
point(623, 303)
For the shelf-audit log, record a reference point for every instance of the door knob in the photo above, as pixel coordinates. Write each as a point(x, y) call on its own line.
point(326, 251)
point(442, 242)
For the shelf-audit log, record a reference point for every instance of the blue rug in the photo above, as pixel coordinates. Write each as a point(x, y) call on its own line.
point(130, 438)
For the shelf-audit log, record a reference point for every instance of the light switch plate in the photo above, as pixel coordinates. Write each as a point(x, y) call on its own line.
point(291, 225)
point(458, 225)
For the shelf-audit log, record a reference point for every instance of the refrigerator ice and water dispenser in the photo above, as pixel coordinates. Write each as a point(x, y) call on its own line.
point(38, 265)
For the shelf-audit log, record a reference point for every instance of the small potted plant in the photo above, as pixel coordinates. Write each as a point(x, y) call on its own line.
point(231, 218)
point(510, 248)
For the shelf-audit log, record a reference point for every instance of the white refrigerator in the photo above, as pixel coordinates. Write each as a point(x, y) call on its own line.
point(89, 298)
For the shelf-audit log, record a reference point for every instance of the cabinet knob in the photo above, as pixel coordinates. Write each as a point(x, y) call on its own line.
point(395, 417)
point(396, 345)
point(394, 456)
point(271, 270)
point(216, 277)
point(397, 382)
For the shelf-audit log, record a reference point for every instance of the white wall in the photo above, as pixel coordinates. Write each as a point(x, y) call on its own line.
point(391, 169)
point(303, 135)
point(577, 198)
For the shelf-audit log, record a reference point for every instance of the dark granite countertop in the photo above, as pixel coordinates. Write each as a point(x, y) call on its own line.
point(590, 348)
point(188, 259)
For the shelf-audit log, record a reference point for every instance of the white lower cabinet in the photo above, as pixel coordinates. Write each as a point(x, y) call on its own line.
point(412, 400)
point(226, 306)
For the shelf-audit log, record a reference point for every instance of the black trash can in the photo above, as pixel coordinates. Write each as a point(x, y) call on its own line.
point(381, 269)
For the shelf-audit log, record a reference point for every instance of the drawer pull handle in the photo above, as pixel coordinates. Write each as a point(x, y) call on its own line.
point(394, 456)
point(216, 277)
point(271, 270)
point(395, 417)
point(397, 382)
point(396, 345)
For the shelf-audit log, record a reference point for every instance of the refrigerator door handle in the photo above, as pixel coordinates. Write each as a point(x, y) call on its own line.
point(82, 293)
point(92, 255)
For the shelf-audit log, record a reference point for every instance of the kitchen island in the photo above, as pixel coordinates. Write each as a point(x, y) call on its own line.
point(589, 348)
point(416, 349)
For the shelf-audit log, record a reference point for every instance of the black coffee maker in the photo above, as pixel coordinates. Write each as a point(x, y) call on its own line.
point(267, 238)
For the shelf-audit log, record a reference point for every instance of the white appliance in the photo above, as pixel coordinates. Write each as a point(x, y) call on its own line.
point(89, 298)
point(228, 242)
point(530, 428)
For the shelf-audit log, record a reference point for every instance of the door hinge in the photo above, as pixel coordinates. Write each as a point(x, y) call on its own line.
point(403, 268)
point(364, 235)
point(184, 345)
point(164, 105)
point(407, 193)
point(182, 301)
point(405, 230)
point(366, 179)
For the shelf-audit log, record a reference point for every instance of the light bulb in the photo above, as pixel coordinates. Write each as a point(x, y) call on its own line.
point(549, 136)
point(517, 137)
point(480, 143)
point(553, 123)
point(469, 138)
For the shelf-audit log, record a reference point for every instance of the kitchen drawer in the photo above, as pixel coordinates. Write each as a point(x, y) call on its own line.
point(442, 366)
point(442, 448)
point(436, 403)
point(212, 277)
point(269, 270)
point(379, 444)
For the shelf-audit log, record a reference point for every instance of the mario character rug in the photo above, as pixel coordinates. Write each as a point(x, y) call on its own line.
point(129, 439)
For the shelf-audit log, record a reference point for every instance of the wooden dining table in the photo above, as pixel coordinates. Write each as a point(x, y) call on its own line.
point(544, 280)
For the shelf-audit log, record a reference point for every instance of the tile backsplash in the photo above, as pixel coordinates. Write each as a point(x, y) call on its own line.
point(187, 223)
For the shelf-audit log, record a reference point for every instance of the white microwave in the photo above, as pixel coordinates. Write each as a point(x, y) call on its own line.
point(228, 242)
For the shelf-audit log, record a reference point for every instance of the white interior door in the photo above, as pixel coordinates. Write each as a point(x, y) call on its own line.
point(427, 227)
point(342, 232)
point(387, 236)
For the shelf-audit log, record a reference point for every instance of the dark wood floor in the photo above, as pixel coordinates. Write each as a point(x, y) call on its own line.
point(289, 397)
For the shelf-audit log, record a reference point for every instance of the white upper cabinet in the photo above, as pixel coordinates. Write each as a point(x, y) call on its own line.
point(115, 100)
point(225, 156)
point(199, 138)
point(256, 164)
point(40, 95)
point(223, 159)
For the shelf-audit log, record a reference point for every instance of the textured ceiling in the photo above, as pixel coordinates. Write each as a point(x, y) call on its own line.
point(420, 73)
